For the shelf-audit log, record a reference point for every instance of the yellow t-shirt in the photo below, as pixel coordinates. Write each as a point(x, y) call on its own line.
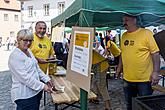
point(97, 58)
point(42, 48)
point(137, 48)
point(112, 47)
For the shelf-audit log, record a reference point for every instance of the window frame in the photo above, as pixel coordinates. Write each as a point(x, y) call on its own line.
point(16, 18)
point(46, 8)
point(30, 11)
point(6, 18)
point(60, 7)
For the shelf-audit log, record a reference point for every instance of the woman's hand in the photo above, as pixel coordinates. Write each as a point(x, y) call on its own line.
point(47, 88)
point(50, 84)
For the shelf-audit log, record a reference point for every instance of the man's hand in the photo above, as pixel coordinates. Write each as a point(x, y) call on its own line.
point(42, 61)
point(119, 68)
point(118, 73)
point(154, 78)
point(52, 58)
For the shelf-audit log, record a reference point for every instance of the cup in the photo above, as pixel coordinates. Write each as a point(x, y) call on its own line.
point(52, 68)
point(60, 88)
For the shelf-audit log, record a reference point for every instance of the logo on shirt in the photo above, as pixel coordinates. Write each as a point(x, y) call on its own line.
point(42, 46)
point(126, 42)
point(129, 43)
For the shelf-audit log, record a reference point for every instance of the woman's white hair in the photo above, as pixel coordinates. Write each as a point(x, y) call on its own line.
point(23, 34)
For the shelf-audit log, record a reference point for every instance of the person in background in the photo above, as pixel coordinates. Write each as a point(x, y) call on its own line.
point(108, 37)
point(26, 75)
point(155, 31)
point(102, 40)
point(96, 38)
point(99, 78)
point(8, 43)
point(65, 53)
point(41, 46)
point(99, 48)
point(12, 42)
point(140, 60)
point(0, 41)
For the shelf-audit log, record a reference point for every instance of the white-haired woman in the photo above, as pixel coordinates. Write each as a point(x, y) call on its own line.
point(27, 77)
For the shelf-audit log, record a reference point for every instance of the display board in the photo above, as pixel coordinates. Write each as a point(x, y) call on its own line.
point(80, 57)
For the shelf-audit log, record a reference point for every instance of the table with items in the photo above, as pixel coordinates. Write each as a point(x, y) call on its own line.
point(67, 93)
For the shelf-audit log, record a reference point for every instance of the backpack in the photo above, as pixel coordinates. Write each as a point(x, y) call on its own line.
point(58, 48)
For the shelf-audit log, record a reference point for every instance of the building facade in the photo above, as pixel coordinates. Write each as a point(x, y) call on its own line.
point(41, 10)
point(10, 19)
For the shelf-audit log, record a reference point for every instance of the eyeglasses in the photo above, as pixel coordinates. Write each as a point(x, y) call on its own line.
point(42, 28)
point(27, 40)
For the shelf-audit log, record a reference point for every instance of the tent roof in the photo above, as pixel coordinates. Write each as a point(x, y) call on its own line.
point(109, 12)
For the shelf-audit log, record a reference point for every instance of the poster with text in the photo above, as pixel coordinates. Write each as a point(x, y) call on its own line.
point(80, 54)
point(80, 57)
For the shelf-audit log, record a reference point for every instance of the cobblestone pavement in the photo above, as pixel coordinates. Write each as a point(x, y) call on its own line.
point(115, 91)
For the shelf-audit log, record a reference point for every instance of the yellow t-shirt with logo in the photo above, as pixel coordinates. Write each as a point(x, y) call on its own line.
point(137, 48)
point(42, 48)
point(112, 47)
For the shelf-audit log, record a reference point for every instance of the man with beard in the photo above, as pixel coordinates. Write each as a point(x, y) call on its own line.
point(140, 60)
point(42, 46)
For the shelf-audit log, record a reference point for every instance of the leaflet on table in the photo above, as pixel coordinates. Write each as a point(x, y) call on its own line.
point(80, 56)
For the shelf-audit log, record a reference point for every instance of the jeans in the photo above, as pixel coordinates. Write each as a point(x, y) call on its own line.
point(134, 89)
point(32, 103)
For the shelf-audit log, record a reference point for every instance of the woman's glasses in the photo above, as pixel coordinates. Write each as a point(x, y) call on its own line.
point(27, 40)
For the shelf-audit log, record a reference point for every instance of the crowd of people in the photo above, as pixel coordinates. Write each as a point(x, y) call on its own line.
point(137, 58)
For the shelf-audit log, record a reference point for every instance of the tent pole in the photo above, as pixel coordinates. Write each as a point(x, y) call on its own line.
point(85, 20)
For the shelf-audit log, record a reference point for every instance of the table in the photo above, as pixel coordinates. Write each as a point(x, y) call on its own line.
point(160, 88)
point(71, 94)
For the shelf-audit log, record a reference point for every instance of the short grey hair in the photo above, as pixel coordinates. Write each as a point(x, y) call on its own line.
point(23, 34)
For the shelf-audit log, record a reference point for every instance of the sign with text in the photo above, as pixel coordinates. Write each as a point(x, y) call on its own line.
point(80, 53)
point(80, 57)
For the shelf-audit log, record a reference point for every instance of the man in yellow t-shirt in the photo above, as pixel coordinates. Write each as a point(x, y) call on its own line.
point(42, 49)
point(140, 60)
point(42, 46)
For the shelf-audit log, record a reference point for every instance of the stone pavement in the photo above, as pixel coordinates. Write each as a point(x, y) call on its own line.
point(115, 91)
point(4, 55)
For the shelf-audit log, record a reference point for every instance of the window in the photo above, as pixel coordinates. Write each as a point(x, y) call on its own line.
point(22, 5)
point(7, 1)
point(46, 9)
point(30, 9)
point(15, 17)
point(61, 6)
point(6, 17)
